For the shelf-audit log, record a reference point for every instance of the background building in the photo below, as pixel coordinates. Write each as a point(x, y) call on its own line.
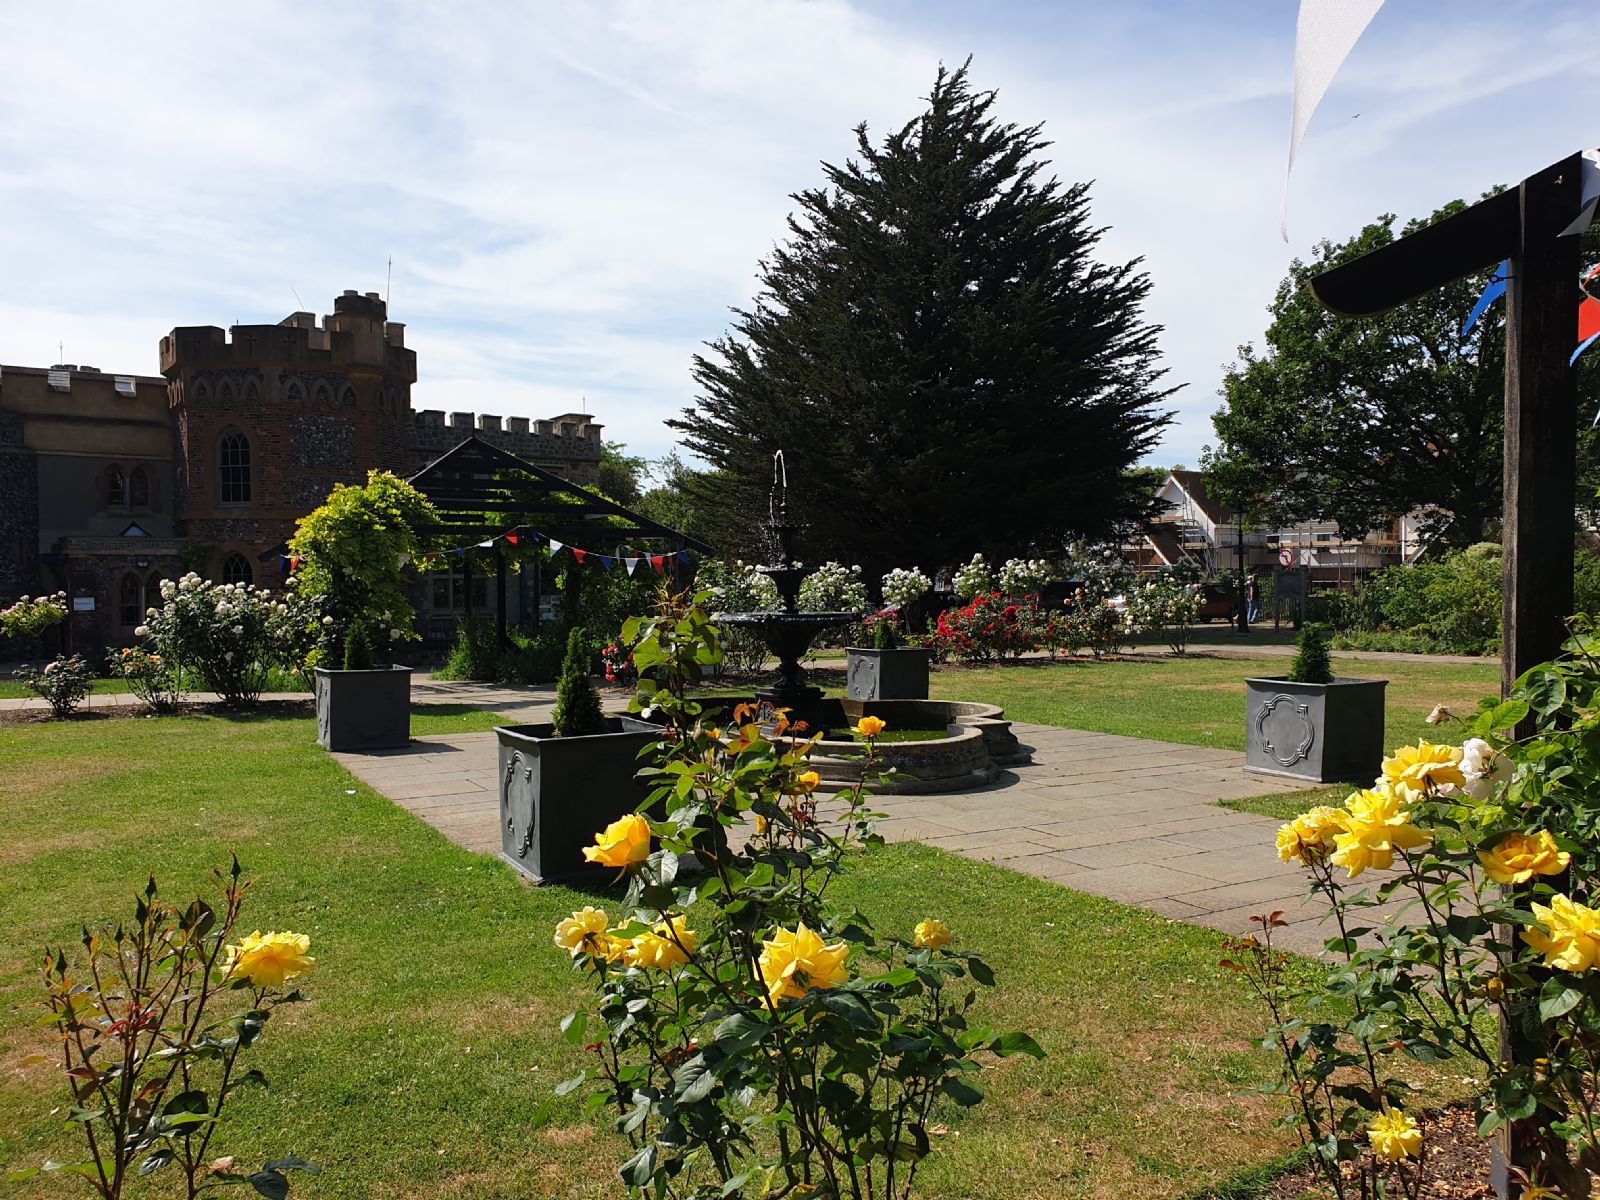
point(111, 483)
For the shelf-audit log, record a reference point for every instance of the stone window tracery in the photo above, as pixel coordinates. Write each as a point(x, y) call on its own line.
point(233, 469)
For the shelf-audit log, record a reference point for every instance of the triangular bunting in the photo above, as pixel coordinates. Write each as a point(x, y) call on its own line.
point(512, 537)
point(606, 560)
point(555, 546)
point(630, 563)
point(658, 561)
point(579, 554)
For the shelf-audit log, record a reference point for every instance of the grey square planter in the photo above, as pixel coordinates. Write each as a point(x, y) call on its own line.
point(364, 710)
point(1321, 732)
point(557, 793)
point(888, 674)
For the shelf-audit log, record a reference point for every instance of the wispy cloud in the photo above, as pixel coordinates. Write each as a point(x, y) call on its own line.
point(575, 195)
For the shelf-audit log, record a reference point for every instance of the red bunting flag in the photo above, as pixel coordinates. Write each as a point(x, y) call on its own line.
point(578, 554)
point(658, 561)
point(512, 537)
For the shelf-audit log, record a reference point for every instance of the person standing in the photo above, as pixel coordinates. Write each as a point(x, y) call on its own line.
point(1253, 599)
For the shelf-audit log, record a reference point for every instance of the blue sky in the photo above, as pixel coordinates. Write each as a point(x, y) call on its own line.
point(575, 195)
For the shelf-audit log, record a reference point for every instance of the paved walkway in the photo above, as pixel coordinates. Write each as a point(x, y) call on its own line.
point(1125, 818)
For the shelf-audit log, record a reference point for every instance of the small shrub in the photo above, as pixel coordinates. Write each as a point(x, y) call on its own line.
point(148, 1047)
point(1167, 606)
point(151, 678)
point(881, 626)
point(63, 684)
point(975, 579)
point(357, 647)
point(904, 586)
point(577, 712)
point(1311, 663)
point(1021, 576)
point(31, 617)
point(987, 628)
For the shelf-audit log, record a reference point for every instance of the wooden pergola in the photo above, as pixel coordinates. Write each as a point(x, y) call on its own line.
point(480, 490)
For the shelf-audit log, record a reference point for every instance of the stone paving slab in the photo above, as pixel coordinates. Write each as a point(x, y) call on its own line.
point(1125, 818)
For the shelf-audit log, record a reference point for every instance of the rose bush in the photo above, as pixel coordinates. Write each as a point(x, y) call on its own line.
point(904, 586)
point(771, 1046)
point(228, 635)
point(63, 683)
point(1023, 576)
point(1495, 843)
point(152, 678)
point(29, 617)
point(975, 579)
point(986, 628)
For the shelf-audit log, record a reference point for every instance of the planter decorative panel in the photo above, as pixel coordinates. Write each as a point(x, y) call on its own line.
point(888, 674)
point(1323, 732)
point(363, 710)
point(557, 793)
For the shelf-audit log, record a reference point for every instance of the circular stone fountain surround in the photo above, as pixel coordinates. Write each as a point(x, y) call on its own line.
point(979, 744)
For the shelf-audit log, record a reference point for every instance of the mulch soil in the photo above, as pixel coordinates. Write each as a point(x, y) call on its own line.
point(132, 709)
point(1457, 1161)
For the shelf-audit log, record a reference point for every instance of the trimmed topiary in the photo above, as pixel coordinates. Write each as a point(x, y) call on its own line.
point(577, 711)
point(1311, 663)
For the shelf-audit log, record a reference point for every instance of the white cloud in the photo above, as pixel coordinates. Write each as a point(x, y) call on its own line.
point(575, 195)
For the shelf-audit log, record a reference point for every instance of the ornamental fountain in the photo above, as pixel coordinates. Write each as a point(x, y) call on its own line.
point(976, 741)
point(788, 632)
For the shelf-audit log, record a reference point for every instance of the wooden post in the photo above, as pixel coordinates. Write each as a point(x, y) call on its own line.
point(501, 639)
point(1540, 482)
point(1540, 478)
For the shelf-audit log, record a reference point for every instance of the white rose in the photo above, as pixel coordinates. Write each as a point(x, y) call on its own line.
point(394, 633)
point(142, 631)
point(238, 631)
point(228, 657)
point(327, 620)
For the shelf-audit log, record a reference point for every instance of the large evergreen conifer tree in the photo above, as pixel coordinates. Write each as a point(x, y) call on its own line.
point(946, 366)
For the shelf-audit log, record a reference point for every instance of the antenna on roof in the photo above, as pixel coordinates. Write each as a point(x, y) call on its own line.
point(299, 304)
point(389, 282)
point(61, 352)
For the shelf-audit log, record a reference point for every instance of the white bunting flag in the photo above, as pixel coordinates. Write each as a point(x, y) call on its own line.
point(555, 546)
point(630, 563)
point(1325, 33)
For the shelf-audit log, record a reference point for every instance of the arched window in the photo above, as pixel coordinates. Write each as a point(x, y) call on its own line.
point(201, 392)
point(348, 396)
point(139, 488)
point(236, 569)
point(116, 488)
point(152, 592)
point(233, 469)
point(295, 393)
point(225, 393)
point(129, 611)
point(322, 394)
point(252, 394)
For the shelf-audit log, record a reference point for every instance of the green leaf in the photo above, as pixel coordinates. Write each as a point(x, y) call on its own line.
point(155, 1161)
point(292, 1162)
point(1508, 713)
point(739, 1032)
point(571, 1085)
point(640, 1169)
point(980, 971)
point(574, 1025)
point(1557, 999)
point(962, 1092)
point(1016, 1043)
point(270, 1184)
point(187, 1102)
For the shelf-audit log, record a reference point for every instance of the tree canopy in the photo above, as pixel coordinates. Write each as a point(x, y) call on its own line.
point(943, 361)
point(1363, 421)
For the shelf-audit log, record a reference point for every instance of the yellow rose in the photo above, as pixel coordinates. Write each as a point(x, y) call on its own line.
point(622, 844)
point(761, 825)
point(269, 959)
point(1425, 763)
point(1394, 1136)
point(870, 726)
point(582, 931)
point(1518, 857)
point(932, 934)
point(1376, 824)
point(666, 946)
point(1567, 934)
point(792, 963)
point(1309, 837)
point(806, 782)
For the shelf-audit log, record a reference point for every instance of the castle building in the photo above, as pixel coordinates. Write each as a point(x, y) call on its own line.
point(111, 483)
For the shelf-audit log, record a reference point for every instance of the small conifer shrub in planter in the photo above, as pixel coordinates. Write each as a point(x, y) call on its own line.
point(1310, 725)
point(561, 781)
point(365, 706)
point(888, 670)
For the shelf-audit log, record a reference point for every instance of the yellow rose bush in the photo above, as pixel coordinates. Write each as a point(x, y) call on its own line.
point(152, 1016)
point(1486, 856)
point(748, 1039)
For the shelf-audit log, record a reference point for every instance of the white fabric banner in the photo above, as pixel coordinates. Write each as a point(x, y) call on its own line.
point(1325, 33)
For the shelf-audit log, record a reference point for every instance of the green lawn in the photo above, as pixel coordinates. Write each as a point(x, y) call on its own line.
point(12, 689)
point(1198, 700)
point(431, 1038)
